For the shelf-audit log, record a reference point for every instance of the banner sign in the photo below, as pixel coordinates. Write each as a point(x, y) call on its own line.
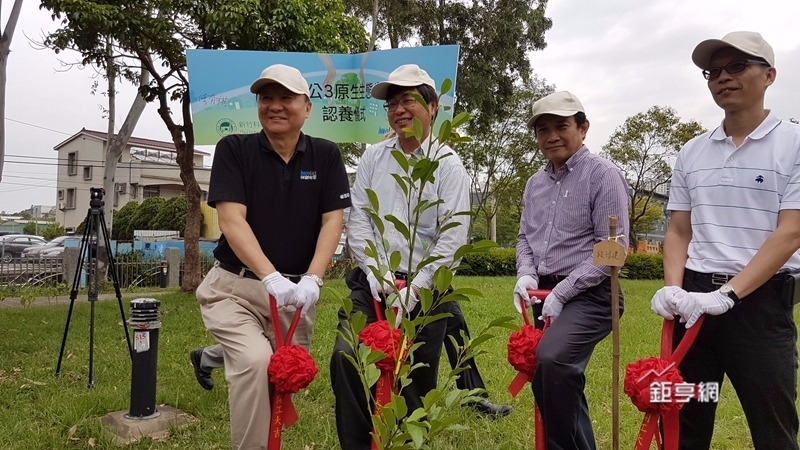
point(343, 109)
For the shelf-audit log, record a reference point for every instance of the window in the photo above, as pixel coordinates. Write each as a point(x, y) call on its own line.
point(87, 172)
point(61, 194)
point(72, 163)
point(151, 191)
point(71, 198)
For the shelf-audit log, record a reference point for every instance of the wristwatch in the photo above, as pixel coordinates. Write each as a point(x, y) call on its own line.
point(727, 290)
point(314, 277)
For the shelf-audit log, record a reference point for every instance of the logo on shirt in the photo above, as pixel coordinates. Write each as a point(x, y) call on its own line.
point(308, 174)
point(344, 196)
point(759, 179)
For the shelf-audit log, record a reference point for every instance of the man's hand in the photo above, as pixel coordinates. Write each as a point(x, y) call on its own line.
point(402, 306)
point(378, 287)
point(307, 293)
point(521, 297)
point(552, 308)
point(663, 302)
point(691, 305)
point(282, 289)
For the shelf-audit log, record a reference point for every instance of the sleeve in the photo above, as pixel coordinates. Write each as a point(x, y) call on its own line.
point(227, 182)
point(679, 199)
point(610, 197)
point(526, 265)
point(359, 224)
point(337, 188)
point(454, 191)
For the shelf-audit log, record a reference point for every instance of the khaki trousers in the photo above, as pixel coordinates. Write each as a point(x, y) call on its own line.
point(236, 312)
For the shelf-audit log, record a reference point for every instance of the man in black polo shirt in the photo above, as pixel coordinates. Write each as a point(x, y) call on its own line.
point(279, 196)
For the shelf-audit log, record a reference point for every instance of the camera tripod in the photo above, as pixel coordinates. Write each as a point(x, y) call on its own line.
point(95, 226)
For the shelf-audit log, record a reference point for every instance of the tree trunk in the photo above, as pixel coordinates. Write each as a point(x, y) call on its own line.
point(5, 49)
point(191, 237)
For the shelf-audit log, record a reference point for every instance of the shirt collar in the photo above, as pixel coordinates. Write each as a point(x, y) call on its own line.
point(263, 142)
point(764, 128)
point(394, 143)
point(572, 162)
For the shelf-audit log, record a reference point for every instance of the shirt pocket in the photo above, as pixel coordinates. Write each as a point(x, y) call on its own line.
point(573, 211)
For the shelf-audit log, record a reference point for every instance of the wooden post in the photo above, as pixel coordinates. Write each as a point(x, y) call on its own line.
point(612, 253)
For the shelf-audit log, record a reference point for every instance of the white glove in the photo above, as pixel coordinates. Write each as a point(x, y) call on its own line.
point(399, 302)
point(307, 293)
point(552, 308)
point(663, 302)
point(377, 287)
point(282, 289)
point(691, 305)
point(524, 283)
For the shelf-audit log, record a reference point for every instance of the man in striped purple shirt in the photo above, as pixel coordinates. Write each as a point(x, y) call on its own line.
point(565, 213)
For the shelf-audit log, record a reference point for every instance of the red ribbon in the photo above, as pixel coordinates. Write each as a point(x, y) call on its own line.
point(640, 375)
point(522, 347)
point(283, 414)
point(394, 353)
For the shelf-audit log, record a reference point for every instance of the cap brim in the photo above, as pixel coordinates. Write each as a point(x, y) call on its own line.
point(701, 56)
point(558, 112)
point(380, 90)
point(261, 82)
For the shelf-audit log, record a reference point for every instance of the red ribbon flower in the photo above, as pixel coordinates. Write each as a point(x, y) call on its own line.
point(647, 374)
point(522, 347)
point(291, 369)
point(382, 337)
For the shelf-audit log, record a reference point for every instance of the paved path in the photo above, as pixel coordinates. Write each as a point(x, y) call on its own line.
point(14, 302)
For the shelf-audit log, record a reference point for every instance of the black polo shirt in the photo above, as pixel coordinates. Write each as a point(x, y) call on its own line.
point(285, 201)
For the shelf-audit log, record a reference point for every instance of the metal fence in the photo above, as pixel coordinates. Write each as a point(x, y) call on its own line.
point(50, 272)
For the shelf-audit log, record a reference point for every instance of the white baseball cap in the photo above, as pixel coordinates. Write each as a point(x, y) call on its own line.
point(560, 103)
point(409, 75)
point(747, 42)
point(286, 76)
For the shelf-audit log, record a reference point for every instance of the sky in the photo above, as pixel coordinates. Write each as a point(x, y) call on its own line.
point(619, 57)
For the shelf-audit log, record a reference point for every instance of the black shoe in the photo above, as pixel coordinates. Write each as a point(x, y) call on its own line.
point(490, 409)
point(203, 376)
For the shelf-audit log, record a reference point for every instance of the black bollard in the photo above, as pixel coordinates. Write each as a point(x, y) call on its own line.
point(145, 322)
point(163, 274)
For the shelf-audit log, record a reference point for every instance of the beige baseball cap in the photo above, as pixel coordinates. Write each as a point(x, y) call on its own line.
point(286, 76)
point(560, 103)
point(748, 42)
point(409, 75)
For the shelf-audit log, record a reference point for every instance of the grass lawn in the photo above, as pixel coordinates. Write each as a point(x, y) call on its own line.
point(41, 411)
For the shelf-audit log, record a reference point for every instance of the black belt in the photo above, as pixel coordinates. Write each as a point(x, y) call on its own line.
point(401, 276)
point(247, 273)
point(718, 279)
point(551, 279)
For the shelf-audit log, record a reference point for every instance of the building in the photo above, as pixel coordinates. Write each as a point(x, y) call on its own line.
point(146, 168)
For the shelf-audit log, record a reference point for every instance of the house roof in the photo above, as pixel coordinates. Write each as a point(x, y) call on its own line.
point(142, 142)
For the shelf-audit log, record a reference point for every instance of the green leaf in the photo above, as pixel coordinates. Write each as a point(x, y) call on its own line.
point(447, 84)
point(399, 226)
point(442, 278)
point(401, 159)
point(373, 199)
point(371, 375)
point(394, 261)
point(401, 181)
point(460, 119)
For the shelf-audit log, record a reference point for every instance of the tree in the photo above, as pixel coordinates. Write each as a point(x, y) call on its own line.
point(496, 154)
point(145, 213)
point(53, 230)
point(495, 39)
point(171, 216)
point(30, 227)
point(649, 212)
point(644, 148)
point(6, 35)
point(157, 32)
point(122, 222)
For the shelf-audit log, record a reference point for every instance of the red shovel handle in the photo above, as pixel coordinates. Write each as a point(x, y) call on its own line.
point(541, 294)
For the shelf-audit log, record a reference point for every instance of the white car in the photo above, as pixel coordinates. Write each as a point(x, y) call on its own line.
point(52, 249)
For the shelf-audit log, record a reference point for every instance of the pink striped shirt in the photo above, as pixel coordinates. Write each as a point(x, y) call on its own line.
point(564, 215)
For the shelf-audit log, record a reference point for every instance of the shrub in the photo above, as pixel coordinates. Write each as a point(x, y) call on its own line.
point(641, 266)
point(494, 263)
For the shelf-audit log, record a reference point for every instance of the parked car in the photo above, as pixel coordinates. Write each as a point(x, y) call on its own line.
point(12, 245)
point(52, 249)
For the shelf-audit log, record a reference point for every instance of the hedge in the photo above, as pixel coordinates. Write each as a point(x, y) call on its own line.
point(502, 262)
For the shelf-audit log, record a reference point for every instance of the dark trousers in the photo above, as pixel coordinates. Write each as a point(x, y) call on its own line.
point(561, 360)
point(353, 413)
point(755, 344)
point(469, 378)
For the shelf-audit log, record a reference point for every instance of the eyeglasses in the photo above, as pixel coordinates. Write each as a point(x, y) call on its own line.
point(405, 102)
point(732, 68)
